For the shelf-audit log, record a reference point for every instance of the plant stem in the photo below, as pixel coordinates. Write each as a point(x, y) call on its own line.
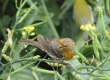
point(50, 21)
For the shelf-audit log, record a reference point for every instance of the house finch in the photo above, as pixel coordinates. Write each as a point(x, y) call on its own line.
point(61, 48)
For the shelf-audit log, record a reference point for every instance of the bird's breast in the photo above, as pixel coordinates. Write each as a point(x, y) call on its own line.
point(68, 53)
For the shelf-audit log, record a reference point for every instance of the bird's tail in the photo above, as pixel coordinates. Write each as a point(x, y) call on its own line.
point(28, 41)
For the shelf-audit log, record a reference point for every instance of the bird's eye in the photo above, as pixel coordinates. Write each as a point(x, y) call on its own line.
point(65, 46)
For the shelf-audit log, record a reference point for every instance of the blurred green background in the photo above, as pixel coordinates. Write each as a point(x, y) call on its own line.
point(52, 19)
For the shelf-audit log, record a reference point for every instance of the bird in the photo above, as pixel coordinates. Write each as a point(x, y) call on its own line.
point(83, 15)
point(56, 48)
point(82, 12)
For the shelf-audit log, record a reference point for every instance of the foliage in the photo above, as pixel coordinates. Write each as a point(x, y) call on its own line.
point(54, 19)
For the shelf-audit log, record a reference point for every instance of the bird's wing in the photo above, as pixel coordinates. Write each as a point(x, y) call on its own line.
point(44, 44)
point(54, 45)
